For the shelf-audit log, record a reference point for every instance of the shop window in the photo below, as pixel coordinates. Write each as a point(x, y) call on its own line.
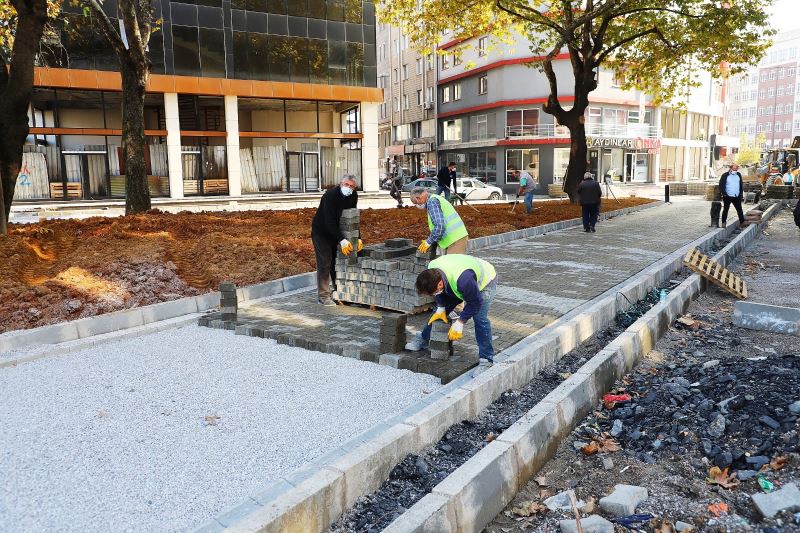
point(524, 159)
point(560, 164)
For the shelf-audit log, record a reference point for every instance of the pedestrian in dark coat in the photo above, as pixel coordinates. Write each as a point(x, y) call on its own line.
point(589, 193)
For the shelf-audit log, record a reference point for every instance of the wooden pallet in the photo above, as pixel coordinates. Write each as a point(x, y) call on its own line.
point(715, 273)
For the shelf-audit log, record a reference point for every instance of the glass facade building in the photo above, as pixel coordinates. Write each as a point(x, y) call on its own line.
point(245, 96)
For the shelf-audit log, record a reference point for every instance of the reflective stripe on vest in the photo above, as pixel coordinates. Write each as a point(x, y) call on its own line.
point(453, 225)
point(453, 265)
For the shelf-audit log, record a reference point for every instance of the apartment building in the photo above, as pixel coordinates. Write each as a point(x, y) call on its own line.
point(245, 98)
point(766, 99)
point(407, 116)
point(490, 118)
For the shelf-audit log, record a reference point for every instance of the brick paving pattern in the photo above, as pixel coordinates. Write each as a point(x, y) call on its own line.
point(540, 279)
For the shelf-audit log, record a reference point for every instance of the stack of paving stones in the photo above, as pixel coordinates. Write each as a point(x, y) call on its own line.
point(349, 223)
point(393, 332)
point(780, 192)
point(228, 302)
point(383, 275)
point(441, 347)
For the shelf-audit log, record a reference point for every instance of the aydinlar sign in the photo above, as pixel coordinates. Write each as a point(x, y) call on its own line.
point(638, 143)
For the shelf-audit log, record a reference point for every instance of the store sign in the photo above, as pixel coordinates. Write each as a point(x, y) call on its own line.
point(396, 149)
point(638, 143)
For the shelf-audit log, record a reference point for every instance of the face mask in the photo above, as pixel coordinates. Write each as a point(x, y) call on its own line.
point(419, 206)
point(346, 191)
point(437, 293)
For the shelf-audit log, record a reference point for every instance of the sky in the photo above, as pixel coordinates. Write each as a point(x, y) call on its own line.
point(785, 15)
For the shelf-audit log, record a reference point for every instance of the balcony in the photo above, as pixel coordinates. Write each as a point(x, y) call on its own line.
point(541, 131)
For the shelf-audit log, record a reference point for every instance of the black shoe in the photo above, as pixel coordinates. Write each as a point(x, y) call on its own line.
point(586, 230)
point(593, 231)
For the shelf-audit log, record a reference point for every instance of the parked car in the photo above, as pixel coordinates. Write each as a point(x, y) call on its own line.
point(475, 189)
point(422, 182)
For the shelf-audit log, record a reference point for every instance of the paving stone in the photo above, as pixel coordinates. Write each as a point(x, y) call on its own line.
point(785, 499)
point(591, 524)
point(624, 500)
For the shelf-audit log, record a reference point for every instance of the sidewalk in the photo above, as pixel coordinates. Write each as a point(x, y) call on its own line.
point(540, 279)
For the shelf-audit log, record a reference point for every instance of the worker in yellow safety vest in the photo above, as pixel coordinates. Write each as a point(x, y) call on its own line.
point(451, 280)
point(446, 227)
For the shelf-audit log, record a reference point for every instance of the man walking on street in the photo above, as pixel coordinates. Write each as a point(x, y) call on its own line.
point(446, 227)
point(589, 193)
point(446, 179)
point(527, 184)
point(730, 187)
point(451, 280)
point(327, 236)
point(396, 187)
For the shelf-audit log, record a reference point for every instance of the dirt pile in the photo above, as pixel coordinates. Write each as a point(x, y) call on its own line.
point(66, 269)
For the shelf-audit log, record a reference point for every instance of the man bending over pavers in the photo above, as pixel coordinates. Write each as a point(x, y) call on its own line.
point(326, 235)
point(446, 227)
point(451, 280)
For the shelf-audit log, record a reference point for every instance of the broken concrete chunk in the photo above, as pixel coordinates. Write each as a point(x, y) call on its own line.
point(683, 526)
point(624, 500)
point(766, 317)
point(590, 524)
point(785, 499)
point(562, 501)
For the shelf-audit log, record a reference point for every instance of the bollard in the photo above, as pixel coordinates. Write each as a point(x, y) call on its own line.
point(716, 208)
point(228, 301)
point(666, 193)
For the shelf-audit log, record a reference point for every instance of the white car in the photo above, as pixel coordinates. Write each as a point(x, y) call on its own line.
point(475, 189)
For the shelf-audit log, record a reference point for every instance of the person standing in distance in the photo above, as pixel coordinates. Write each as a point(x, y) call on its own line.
point(446, 178)
point(731, 189)
point(326, 234)
point(589, 193)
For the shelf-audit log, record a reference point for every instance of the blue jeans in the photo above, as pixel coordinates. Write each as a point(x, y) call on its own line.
point(445, 190)
point(483, 328)
point(529, 202)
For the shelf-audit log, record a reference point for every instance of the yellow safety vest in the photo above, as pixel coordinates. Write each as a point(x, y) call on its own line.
point(453, 265)
point(453, 225)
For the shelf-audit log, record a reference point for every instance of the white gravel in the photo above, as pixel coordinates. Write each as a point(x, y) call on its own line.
point(115, 438)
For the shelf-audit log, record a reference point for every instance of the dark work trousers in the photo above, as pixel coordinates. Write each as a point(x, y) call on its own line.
point(590, 212)
point(737, 203)
point(325, 253)
point(396, 193)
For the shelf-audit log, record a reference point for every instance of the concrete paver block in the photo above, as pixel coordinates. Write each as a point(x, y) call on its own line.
point(785, 499)
point(765, 317)
point(624, 500)
point(591, 524)
point(433, 513)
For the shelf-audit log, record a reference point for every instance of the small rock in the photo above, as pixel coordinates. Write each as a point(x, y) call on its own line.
point(711, 363)
point(758, 461)
point(578, 444)
point(700, 354)
point(608, 464)
point(723, 459)
point(590, 524)
point(769, 421)
point(744, 475)
point(562, 501)
point(717, 426)
point(683, 526)
point(616, 428)
point(422, 466)
point(624, 500)
point(795, 407)
point(785, 499)
point(446, 448)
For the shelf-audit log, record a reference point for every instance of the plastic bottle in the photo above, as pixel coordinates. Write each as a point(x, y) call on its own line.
point(662, 295)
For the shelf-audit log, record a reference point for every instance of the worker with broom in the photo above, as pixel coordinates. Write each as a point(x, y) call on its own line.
point(527, 184)
point(446, 227)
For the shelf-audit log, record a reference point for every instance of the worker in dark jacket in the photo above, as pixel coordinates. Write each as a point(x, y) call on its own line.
point(589, 193)
point(446, 179)
point(327, 236)
point(731, 189)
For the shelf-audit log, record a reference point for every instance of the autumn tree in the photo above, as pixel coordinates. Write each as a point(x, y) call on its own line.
point(750, 151)
point(660, 45)
point(130, 48)
point(22, 23)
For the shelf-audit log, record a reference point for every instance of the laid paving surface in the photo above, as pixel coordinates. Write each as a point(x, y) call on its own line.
point(165, 431)
point(540, 279)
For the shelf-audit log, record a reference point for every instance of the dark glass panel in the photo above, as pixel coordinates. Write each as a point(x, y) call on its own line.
point(352, 11)
point(257, 5)
point(155, 51)
point(238, 19)
point(238, 4)
point(278, 24)
point(298, 27)
point(353, 33)
point(318, 60)
point(369, 13)
point(316, 9)
point(371, 76)
point(335, 10)
point(209, 17)
point(369, 55)
point(355, 64)
point(184, 14)
point(337, 55)
point(297, 8)
point(212, 53)
point(280, 52)
point(187, 50)
point(369, 34)
point(298, 59)
point(277, 6)
point(209, 3)
point(257, 56)
point(317, 29)
point(257, 22)
point(241, 66)
point(336, 31)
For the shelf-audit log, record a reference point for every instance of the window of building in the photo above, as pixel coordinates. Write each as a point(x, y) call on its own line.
point(416, 130)
point(790, 90)
point(760, 128)
point(781, 73)
point(482, 165)
point(769, 110)
point(457, 58)
point(429, 60)
point(522, 160)
point(445, 61)
point(483, 84)
point(396, 104)
point(397, 46)
point(772, 74)
point(763, 76)
point(771, 92)
point(618, 79)
point(482, 42)
point(778, 109)
point(419, 65)
point(452, 130)
point(405, 101)
point(787, 126)
point(445, 94)
point(429, 95)
point(633, 116)
point(457, 91)
point(790, 72)
point(481, 127)
point(521, 122)
point(768, 126)
point(395, 75)
point(405, 71)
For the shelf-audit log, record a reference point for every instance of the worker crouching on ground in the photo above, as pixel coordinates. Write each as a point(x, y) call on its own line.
point(446, 227)
point(327, 236)
point(451, 280)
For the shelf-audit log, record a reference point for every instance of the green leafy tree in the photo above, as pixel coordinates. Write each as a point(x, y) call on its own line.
point(660, 45)
point(750, 151)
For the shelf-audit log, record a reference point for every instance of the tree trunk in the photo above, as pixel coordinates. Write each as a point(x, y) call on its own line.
point(578, 156)
point(137, 192)
point(16, 85)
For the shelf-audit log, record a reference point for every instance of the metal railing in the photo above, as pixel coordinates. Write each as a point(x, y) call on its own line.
point(598, 130)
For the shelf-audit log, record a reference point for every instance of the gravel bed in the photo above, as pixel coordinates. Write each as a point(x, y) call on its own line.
point(165, 431)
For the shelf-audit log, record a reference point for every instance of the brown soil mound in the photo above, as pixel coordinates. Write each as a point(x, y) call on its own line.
point(66, 269)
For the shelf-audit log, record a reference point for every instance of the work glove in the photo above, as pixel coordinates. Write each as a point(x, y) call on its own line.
point(440, 314)
point(360, 245)
point(456, 331)
point(346, 246)
point(424, 247)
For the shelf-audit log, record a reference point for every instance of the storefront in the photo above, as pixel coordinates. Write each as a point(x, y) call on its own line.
point(627, 160)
